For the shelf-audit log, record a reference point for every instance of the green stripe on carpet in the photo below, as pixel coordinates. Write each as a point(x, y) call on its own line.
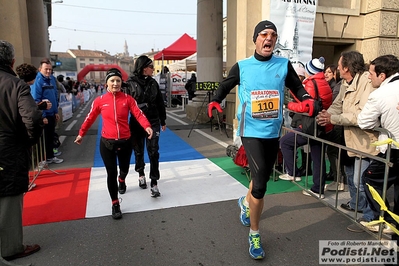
point(273, 187)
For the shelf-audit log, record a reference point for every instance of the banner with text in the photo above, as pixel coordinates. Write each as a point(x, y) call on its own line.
point(295, 25)
point(178, 81)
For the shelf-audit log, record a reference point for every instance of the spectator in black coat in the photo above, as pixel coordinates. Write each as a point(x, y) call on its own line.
point(191, 86)
point(21, 127)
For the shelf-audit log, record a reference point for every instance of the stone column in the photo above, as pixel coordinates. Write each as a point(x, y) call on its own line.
point(242, 17)
point(38, 30)
point(209, 53)
point(14, 28)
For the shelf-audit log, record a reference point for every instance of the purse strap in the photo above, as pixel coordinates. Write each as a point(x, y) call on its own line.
point(316, 89)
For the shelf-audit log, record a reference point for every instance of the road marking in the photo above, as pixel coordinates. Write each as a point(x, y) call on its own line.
point(206, 135)
point(178, 115)
point(222, 143)
point(71, 125)
point(61, 139)
point(178, 120)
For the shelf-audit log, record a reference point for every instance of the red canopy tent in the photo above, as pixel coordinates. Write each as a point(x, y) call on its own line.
point(180, 49)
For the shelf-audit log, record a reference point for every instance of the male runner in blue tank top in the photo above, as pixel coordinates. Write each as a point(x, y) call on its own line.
point(261, 80)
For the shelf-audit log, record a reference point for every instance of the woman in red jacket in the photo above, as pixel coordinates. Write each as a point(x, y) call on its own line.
point(114, 107)
point(314, 71)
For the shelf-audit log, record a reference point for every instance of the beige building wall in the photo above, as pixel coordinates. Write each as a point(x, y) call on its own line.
point(14, 28)
point(368, 26)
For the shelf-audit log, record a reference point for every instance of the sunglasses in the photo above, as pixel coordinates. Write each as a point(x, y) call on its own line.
point(151, 66)
point(265, 34)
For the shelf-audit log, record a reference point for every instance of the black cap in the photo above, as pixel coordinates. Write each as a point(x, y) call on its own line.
point(262, 26)
point(113, 72)
point(142, 62)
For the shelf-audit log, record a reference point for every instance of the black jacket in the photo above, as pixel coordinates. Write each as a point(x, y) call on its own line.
point(145, 90)
point(20, 127)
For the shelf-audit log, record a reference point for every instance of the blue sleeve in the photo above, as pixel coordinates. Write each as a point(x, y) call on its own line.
point(36, 90)
point(55, 91)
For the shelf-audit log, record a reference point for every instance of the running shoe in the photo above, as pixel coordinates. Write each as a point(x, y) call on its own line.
point(289, 178)
point(142, 182)
point(116, 211)
point(244, 214)
point(255, 247)
point(333, 186)
point(122, 187)
point(56, 152)
point(155, 192)
point(376, 227)
point(54, 160)
point(312, 193)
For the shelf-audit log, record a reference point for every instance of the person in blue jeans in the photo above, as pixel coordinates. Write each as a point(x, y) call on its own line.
point(380, 111)
point(351, 99)
point(355, 181)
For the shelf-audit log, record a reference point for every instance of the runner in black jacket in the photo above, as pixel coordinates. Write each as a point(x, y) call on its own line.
point(146, 91)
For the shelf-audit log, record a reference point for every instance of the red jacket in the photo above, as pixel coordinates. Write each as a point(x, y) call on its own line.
point(325, 94)
point(114, 109)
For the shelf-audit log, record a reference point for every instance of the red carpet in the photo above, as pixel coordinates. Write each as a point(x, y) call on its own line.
point(57, 197)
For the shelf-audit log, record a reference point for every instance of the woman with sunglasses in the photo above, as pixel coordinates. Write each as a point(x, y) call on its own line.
point(145, 90)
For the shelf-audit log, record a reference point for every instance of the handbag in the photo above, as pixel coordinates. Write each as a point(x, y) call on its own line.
point(309, 122)
point(240, 158)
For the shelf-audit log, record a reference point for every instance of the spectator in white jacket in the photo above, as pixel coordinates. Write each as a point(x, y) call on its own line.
point(380, 111)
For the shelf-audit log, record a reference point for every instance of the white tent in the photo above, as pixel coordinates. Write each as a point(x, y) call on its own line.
point(186, 64)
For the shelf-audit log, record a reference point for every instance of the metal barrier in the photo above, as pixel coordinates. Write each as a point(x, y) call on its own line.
point(38, 161)
point(360, 154)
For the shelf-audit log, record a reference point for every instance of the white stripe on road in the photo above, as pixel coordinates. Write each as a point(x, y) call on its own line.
point(178, 120)
point(222, 143)
point(71, 125)
point(62, 138)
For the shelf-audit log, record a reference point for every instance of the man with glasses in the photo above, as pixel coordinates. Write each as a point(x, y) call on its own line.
point(45, 88)
point(145, 90)
point(261, 81)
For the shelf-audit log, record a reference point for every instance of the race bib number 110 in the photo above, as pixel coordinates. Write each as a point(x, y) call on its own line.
point(265, 104)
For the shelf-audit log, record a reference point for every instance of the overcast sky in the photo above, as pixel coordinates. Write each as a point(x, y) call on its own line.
point(105, 25)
